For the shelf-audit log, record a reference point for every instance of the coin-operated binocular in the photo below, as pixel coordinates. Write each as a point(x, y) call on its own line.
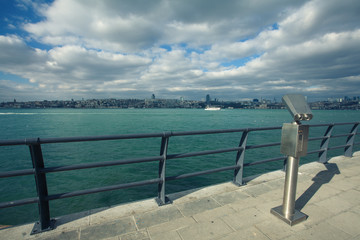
point(294, 140)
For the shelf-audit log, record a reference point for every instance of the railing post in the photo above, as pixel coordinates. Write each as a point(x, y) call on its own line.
point(238, 173)
point(324, 144)
point(162, 199)
point(45, 224)
point(350, 141)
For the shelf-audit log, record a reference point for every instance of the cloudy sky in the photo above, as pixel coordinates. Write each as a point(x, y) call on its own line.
point(229, 49)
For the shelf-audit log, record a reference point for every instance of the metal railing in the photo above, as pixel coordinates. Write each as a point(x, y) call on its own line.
point(39, 170)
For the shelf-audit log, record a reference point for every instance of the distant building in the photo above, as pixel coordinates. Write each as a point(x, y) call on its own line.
point(208, 99)
point(153, 96)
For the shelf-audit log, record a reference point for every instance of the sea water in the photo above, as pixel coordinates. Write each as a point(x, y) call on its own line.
point(43, 123)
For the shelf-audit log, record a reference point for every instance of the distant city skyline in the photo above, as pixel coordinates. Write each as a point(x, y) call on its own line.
point(207, 99)
point(336, 104)
point(232, 50)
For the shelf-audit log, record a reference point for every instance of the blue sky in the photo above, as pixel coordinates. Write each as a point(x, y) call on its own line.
point(232, 50)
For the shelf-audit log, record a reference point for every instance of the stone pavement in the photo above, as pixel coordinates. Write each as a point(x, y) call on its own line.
point(328, 194)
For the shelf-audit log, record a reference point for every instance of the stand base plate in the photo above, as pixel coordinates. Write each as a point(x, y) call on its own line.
point(295, 219)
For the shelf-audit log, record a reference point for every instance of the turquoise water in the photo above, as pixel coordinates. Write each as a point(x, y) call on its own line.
point(29, 123)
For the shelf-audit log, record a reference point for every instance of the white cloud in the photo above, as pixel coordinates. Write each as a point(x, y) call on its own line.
point(131, 25)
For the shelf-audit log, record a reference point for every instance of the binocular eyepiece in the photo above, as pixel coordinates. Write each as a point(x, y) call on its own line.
point(302, 117)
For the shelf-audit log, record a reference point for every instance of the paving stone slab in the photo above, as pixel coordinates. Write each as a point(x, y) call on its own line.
point(175, 224)
point(195, 194)
point(138, 235)
point(18, 232)
point(316, 193)
point(245, 218)
point(265, 206)
point(194, 207)
point(274, 195)
point(107, 230)
point(356, 209)
point(311, 168)
point(348, 222)
point(257, 190)
point(320, 231)
point(335, 204)
point(112, 238)
point(246, 203)
point(349, 173)
point(123, 210)
point(351, 196)
point(262, 178)
point(316, 214)
point(158, 216)
point(345, 184)
point(276, 184)
point(213, 214)
point(173, 235)
point(230, 197)
point(72, 221)
point(277, 229)
point(250, 233)
point(69, 235)
point(205, 230)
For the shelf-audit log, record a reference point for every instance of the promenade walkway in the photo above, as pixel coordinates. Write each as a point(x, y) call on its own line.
point(329, 194)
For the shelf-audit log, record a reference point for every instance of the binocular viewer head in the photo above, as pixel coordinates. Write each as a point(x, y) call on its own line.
point(298, 107)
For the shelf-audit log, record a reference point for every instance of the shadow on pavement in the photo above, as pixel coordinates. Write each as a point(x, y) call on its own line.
point(320, 179)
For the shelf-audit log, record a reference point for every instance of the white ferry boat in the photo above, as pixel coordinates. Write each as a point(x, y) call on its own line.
point(208, 108)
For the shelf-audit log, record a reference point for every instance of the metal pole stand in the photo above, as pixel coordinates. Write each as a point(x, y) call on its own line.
point(294, 140)
point(287, 211)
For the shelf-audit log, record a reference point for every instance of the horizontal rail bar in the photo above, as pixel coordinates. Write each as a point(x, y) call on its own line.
point(223, 131)
point(263, 145)
point(19, 202)
point(332, 124)
point(29, 141)
point(340, 135)
point(263, 128)
point(316, 151)
point(12, 142)
point(99, 164)
point(316, 138)
point(265, 161)
point(337, 147)
point(102, 189)
point(17, 173)
point(323, 125)
point(200, 132)
point(194, 154)
point(181, 176)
